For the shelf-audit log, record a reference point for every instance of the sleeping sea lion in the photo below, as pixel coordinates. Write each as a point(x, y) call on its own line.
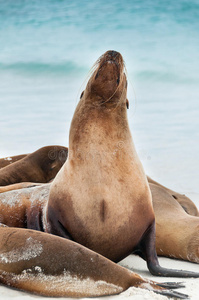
point(39, 166)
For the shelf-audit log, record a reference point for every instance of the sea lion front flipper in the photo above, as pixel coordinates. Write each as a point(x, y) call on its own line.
point(54, 225)
point(146, 250)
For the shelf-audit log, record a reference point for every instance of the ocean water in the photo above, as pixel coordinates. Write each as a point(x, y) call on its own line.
point(48, 47)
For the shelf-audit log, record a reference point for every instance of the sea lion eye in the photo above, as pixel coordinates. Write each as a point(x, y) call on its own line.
point(82, 94)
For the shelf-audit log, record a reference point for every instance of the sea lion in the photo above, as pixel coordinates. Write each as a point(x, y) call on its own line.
point(39, 166)
point(105, 203)
point(74, 271)
point(183, 200)
point(177, 233)
point(101, 198)
point(9, 160)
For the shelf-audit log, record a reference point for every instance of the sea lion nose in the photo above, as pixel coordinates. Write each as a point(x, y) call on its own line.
point(113, 54)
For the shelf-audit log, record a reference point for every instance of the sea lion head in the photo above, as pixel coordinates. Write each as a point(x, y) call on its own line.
point(101, 113)
point(50, 160)
point(107, 85)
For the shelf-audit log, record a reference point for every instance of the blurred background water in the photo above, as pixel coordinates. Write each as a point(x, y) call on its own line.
point(48, 47)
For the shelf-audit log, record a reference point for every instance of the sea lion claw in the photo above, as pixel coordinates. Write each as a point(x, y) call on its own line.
point(172, 294)
point(171, 285)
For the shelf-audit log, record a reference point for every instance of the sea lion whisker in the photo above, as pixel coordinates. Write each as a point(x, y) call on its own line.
point(118, 103)
point(109, 99)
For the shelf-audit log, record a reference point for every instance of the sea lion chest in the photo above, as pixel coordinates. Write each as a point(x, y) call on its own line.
point(105, 206)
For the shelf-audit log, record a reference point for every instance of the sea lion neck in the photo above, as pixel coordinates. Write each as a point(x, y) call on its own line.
point(96, 125)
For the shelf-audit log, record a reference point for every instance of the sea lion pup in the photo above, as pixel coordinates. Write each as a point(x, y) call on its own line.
point(101, 198)
point(181, 243)
point(183, 200)
point(9, 160)
point(40, 166)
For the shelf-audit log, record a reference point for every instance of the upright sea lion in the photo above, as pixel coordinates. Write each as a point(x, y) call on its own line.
point(183, 200)
point(9, 160)
point(177, 233)
point(39, 166)
point(100, 198)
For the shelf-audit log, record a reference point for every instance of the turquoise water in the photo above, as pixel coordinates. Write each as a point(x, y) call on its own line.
point(46, 51)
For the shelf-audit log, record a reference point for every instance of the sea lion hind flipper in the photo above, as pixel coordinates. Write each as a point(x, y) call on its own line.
point(146, 250)
point(171, 285)
point(171, 294)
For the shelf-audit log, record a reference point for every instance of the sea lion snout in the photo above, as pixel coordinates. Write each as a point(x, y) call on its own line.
point(108, 80)
point(113, 53)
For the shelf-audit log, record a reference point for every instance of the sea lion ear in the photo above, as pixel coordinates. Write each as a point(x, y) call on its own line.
point(82, 94)
point(127, 103)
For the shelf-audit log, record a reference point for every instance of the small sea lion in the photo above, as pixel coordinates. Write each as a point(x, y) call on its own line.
point(40, 166)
